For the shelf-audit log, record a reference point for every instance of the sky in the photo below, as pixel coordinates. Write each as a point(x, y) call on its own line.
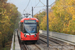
point(22, 4)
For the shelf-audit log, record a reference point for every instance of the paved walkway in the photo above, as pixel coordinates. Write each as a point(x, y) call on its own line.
point(17, 46)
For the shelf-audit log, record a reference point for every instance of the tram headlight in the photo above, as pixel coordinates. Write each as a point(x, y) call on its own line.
point(25, 35)
point(35, 35)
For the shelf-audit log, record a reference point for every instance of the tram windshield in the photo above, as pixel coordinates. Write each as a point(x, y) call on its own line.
point(30, 28)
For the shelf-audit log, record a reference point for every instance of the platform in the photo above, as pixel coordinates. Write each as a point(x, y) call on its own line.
point(17, 46)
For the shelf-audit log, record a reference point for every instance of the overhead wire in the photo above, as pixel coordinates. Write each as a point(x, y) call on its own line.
point(36, 4)
point(42, 3)
point(26, 6)
point(39, 6)
point(31, 6)
point(51, 4)
point(38, 11)
point(42, 6)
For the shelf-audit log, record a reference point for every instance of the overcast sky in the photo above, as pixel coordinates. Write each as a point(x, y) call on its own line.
point(21, 4)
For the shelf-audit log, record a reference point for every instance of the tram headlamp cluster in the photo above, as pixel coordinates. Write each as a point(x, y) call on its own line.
point(25, 35)
point(35, 35)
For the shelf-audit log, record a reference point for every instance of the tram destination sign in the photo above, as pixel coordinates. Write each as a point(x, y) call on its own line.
point(30, 21)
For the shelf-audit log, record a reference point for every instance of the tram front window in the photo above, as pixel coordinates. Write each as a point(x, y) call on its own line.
point(30, 28)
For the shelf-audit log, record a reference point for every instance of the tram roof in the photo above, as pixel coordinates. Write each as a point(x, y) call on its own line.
point(22, 20)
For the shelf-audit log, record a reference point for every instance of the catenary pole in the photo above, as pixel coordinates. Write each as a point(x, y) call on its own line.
point(47, 27)
point(32, 12)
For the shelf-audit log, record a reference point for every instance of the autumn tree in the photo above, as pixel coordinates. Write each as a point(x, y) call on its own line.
point(8, 16)
point(61, 17)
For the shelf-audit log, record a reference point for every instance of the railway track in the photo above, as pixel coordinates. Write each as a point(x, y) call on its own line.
point(58, 45)
point(42, 45)
point(31, 47)
point(54, 40)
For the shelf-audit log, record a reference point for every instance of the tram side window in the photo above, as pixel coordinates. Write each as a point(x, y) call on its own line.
point(21, 27)
point(18, 27)
point(37, 27)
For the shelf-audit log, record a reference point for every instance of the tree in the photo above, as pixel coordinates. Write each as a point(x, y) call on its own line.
point(8, 16)
point(61, 17)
